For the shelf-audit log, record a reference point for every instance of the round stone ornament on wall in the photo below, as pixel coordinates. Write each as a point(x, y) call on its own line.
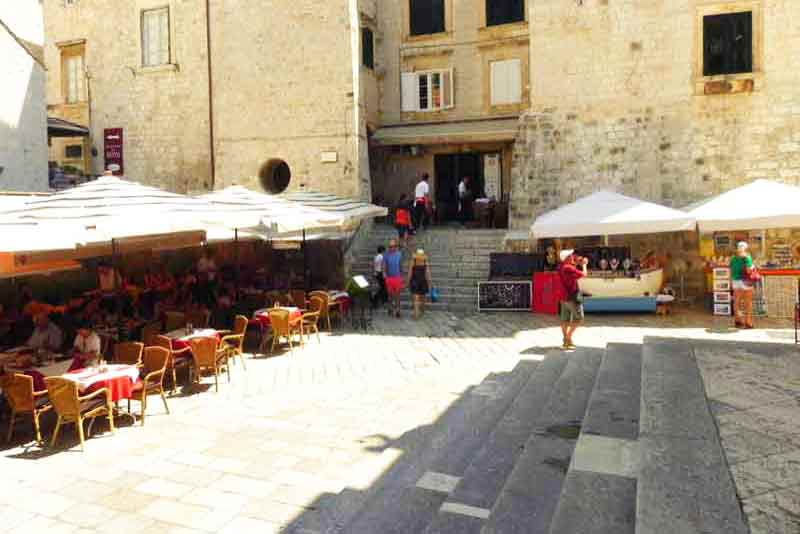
point(274, 176)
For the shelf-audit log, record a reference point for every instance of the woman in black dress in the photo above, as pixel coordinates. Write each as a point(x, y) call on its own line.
point(419, 281)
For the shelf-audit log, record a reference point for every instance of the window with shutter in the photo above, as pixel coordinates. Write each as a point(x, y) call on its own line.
point(155, 37)
point(367, 48)
point(72, 71)
point(504, 11)
point(506, 82)
point(427, 91)
point(427, 16)
point(728, 43)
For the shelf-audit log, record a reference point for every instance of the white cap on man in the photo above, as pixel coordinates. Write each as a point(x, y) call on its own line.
point(741, 245)
point(566, 253)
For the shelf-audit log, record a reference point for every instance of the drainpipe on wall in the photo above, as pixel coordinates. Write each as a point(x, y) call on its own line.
point(210, 96)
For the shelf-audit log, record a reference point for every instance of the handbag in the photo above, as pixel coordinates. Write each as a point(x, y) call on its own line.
point(434, 294)
point(753, 275)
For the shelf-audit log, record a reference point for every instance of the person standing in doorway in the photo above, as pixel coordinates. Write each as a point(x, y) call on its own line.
point(741, 268)
point(571, 270)
point(419, 281)
point(465, 200)
point(422, 202)
point(393, 276)
point(377, 269)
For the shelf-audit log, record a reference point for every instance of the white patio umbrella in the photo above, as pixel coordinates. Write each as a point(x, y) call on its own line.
point(606, 213)
point(759, 205)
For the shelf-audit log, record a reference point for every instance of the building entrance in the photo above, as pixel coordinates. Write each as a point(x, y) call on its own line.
point(449, 169)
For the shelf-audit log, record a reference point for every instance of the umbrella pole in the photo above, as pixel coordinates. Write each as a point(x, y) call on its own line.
point(236, 254)
point(305, 263)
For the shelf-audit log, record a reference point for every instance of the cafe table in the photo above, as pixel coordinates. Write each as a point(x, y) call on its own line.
point(262, 316)
point(118, 379)
point(182, 339)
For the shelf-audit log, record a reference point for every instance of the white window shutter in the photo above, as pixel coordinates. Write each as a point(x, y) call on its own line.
point(447, 89)
point(506, 82)
point(409, 98)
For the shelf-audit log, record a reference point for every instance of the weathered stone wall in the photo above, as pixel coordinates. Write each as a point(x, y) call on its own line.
point(23, 118)
point(618, 102)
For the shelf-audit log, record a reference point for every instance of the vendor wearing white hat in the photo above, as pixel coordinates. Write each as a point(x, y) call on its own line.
point(570, 307)
point(741, 279)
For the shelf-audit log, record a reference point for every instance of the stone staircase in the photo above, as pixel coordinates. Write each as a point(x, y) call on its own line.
point(459, 259)
point(596, 441)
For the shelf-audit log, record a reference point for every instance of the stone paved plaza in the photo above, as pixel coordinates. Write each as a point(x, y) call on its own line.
point(301, 436)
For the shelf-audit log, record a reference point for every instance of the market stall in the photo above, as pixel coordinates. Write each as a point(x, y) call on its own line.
point(617, 280)
point(766, 215)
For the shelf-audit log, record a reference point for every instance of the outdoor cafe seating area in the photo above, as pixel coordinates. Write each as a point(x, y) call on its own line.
point(115, 296)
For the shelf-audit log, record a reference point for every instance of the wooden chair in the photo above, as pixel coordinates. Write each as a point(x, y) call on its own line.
point(149, 333)
point(154, 365)
point(325, 312)
point(298, 297)
point(233, 342)
point(282, 326)
point(311, 324)
point(72, 408)
point(129, 352)
point(181, 358)
point(174, 320)
point(22, 399)
point(197, 318)
point(207, 356)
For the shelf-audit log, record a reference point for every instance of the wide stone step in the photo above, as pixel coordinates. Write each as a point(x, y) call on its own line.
point(412, 491)
point(599, 493)
point(684, 482)
point(530, 496)
point(483, 480)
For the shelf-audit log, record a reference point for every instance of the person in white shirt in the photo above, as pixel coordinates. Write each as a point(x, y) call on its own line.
point(46, 335)
point(86, 349)
point(382, 297)
point(422, 202)
point(465, 199)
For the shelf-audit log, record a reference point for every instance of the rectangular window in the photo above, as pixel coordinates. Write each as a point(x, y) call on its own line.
point(427, 91)
point(506, 82)
point(427, 16)
point(72, 65)
point(504, 11)
point(728, 43)
point(73, 151)
point(155, 37)
point(367, 48)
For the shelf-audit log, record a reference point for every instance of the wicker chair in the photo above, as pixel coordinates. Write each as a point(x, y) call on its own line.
point(22, 399)
point(311, 318)
point(181, 358)
point(174, 320)
point(129, 352)
point(233, 342)
point(208, 357)
point(149, 333)
point(282, 326)
point(72, 408)
point(154, 365)
point(325, 312)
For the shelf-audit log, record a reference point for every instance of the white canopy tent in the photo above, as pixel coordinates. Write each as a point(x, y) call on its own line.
point(606, 213)
point(759, 205)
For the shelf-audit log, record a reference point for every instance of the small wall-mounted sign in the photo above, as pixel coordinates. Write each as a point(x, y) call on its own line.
point(330, 156)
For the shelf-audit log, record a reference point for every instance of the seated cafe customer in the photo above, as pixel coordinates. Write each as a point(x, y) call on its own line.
point(46, 335)
point(86, 349)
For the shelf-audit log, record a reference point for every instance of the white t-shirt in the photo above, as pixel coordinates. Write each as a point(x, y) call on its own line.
point(422, 189)
point(377, 264)
point(49, 338)
point(207, 266)
point(87, 345)
point(462, 189)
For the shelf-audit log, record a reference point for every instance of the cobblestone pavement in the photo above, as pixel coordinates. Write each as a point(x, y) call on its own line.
point(294, 428)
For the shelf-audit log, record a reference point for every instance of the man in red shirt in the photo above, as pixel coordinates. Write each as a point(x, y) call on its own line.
point(571, 305)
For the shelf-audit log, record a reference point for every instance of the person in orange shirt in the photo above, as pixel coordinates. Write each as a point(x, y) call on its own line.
point(402, 219)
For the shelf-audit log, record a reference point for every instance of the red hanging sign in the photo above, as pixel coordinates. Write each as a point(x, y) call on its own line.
point(112, 142)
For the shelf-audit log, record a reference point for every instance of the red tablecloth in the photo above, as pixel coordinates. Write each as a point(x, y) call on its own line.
point(183, 342)
point(118, 379)
point(262, 316)
point(344, 304)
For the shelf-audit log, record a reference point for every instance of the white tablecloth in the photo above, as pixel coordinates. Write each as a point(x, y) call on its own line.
point(181, 335)
point(86, 378)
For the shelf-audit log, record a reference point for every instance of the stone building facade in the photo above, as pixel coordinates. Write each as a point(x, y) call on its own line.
point(23, 119)
point(625, 97)
point(283, 85)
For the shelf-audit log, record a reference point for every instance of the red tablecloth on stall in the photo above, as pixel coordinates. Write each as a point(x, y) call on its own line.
point(344, 302)
point(262, 316)
point(118, 379)
point(547, 292)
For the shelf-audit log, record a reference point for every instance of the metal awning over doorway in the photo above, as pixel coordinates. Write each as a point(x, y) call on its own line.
point(467, 131)
point(60, 128)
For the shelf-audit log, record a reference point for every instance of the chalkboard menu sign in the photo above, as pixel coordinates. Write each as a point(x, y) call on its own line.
point(505, 296)
point(515, 266)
